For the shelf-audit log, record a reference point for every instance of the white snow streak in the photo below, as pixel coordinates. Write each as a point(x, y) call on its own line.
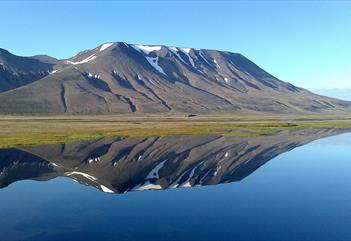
point(54, 164)
point(154, 172)
point(91, 178)
point(96, 76)
point(147, 186)
point(154, 63)
point(206, 174)
point(152, 60)
point(215, 61)
point(106, 189)
point(96, 159)
point(175, 184)
point(105, 46)
point(216, 172)
point(203, 57)
point(146, 49)
point(175, 51)
point(186, 52)
point(187, 182)
point(91, 57)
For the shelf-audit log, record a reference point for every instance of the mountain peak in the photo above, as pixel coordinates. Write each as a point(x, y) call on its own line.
point(118, 77)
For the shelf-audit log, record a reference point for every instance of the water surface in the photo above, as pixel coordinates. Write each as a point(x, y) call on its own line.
point(288, 186)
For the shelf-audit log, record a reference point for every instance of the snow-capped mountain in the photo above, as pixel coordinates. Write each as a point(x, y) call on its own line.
point(122, 78)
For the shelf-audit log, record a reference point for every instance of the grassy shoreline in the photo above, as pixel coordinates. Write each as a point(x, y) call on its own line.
point(21, 130)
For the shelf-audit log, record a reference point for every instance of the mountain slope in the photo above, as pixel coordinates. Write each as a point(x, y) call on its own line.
point(124, 78)
point(17, 71)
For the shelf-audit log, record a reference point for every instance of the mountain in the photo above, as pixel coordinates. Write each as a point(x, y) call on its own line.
point(133, 164)
point(119, 78)
point(17, 71)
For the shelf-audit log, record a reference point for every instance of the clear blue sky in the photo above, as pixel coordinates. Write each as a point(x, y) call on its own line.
point(307, 43)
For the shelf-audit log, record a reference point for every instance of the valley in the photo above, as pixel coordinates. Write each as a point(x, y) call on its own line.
point(23, 131)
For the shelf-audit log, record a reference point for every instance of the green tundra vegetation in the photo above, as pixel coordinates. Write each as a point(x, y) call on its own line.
point(18, 131)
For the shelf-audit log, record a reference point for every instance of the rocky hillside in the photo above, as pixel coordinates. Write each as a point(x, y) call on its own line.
point(118, 78)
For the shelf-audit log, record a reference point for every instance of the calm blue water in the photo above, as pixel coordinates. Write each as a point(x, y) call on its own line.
point(302, 194)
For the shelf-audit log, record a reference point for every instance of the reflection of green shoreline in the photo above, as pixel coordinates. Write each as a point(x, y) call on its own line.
point(122, 165)
point(39, 130)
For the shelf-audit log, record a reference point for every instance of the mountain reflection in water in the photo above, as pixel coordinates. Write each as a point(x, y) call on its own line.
point(120, 165)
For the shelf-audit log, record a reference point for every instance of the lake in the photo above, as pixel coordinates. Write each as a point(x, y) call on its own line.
point(293, 185)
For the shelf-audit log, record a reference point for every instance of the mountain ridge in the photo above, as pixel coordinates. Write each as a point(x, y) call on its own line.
point(120, 78)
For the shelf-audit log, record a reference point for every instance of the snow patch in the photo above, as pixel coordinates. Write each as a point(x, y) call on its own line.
point(91, 178)
point(146, 49)
point(154, 172)
point(105, 46)
point(90, 58)
point(203, 57)
point(96, 159)
point(175, 184)
point(106, 189)
point(175, 51)
point(96, 76)
point(226, 154)
point(54, 71)
point(216, 172)
point(54, 164)
point(215, 61)
point(187, 182)
point(152, 60)
point(154, 63)
point(187, 50)
point(206, 174)
point(147, 186)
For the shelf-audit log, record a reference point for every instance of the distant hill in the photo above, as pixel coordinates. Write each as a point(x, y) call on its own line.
point(344, 94)
point(119, 78)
